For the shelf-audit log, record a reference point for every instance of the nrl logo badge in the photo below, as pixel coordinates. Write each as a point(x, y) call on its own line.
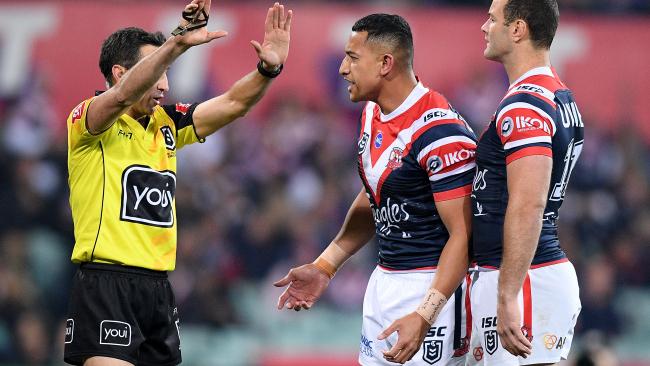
point(491, 341)
point(432, 351)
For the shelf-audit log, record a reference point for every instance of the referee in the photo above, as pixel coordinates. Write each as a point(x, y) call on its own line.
point(122, 174)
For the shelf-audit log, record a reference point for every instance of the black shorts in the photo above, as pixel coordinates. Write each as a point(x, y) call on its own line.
point(122, 312)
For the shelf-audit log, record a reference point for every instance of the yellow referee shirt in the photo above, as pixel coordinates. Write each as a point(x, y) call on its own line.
point(122, 187)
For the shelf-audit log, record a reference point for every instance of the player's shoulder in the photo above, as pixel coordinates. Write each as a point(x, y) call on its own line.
point(446, 133)
point(536, 93)
point(441, 123)
point(436, 113)
point(435, 99)
point(536, 87)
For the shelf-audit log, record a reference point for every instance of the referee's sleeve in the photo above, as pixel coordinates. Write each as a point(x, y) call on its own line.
point(78, 134)
point(182, 116)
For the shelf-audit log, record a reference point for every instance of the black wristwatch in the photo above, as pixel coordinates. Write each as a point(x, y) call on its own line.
point(267, 73)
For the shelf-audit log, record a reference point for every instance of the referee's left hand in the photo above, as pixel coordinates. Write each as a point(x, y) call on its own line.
point(277, 28)
point(411, 330)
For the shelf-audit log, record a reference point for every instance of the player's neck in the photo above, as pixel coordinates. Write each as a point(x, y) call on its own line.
point(518, 63)
point(395, 91)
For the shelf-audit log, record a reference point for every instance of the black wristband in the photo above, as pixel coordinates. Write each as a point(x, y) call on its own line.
point(267, 73)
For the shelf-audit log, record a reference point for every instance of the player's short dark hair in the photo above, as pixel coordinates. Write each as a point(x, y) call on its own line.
point(542, 17)
point(123, 48)
point(389, 29)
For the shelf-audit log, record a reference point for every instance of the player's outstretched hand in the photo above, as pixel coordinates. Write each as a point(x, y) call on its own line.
point(411, 330)
point(509, 328)
point(306, 285)
point(201, 35)
point(277, 29)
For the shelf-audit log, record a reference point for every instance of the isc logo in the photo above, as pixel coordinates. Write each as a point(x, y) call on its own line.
point(436, 113)
point(489, 322)
point(436, 332)
point(531, 88)
point(147, 196)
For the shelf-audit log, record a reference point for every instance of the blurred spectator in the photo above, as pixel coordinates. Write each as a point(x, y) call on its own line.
point(596, 352)
point(598, 290)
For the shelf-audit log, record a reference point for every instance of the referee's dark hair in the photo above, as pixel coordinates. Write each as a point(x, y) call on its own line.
point(123, 48)
point(391, 30)
point(542, 17)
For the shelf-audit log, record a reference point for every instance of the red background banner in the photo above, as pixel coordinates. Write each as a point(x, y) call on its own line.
point(603, 59)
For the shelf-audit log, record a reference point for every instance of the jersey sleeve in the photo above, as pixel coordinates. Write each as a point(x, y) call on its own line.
point(78, 134)
point(525, 127)
point(181, 114)
point(448, 157)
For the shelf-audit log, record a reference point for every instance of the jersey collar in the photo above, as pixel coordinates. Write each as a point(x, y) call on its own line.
point(418, 92)
point(543, 70)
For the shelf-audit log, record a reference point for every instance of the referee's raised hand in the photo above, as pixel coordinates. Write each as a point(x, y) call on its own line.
point(277, 28)
point(192, 29)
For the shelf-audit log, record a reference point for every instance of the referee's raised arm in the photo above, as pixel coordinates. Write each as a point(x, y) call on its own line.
point(219, 111)
point(128, 83)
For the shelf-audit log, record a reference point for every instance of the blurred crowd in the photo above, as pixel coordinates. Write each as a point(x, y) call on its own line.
point(608, 6)
point(270, 191)
point(600, 6)
point(592, 6)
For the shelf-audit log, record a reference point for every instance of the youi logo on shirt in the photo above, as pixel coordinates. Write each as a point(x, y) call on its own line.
point(147, 196)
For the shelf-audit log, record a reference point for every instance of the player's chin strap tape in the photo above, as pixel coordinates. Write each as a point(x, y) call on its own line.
point(195, 22)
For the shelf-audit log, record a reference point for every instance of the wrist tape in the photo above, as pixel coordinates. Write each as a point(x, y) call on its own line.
point(331, 259)
point(431, 305)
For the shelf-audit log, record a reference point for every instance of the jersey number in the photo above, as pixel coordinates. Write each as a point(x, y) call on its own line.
point(573, 152)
